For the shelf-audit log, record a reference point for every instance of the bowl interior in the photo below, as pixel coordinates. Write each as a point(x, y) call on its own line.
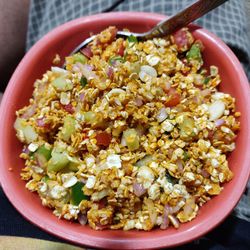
point(61, 41)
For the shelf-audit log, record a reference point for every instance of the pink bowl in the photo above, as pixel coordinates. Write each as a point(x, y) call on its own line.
point(62, 40)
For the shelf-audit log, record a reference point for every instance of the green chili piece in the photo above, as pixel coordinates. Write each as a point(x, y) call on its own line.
point(83, 81)
point(77, 194)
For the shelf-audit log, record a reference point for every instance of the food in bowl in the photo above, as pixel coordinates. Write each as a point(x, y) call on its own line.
point(130, 135)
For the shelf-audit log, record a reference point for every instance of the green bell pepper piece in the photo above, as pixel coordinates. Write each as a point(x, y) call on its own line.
point(77, 194)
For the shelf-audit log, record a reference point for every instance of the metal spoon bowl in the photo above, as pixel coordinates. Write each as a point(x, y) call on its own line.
point(169, 25)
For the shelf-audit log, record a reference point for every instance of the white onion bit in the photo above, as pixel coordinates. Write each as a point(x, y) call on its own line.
point(59, 70)
point(139, 190)
point(219, 122)
point(162, 115)
point(147, 72)
point(216, 110)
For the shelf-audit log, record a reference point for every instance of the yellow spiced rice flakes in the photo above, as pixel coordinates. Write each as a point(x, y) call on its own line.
point(130, 135)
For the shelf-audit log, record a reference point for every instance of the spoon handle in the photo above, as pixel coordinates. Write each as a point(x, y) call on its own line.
point(184, 17)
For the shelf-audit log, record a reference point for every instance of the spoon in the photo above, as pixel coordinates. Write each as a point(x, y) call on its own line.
point(169, 25)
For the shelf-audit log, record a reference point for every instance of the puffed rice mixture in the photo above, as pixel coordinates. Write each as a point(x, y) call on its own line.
point(130, 135)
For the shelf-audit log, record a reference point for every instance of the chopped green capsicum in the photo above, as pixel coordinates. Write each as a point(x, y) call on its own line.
point(77, 194)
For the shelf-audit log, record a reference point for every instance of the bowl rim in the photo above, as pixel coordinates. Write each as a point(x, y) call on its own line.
point(98, 242)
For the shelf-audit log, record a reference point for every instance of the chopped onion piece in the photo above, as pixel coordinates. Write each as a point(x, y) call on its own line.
point(147, 72)
point(59, 70)
point(139, 190)
point(174, 221)
point(205, 92)
point(41, 122)
point(138, 101)
point(31, 110)
point(30, 134)
point(216, 110)
point(87, 52)
point(179, 165)
point(219, 122)
point(165, 219)
point(116, 91)
point(162, 115)
point(82, 218)
point(110, 72)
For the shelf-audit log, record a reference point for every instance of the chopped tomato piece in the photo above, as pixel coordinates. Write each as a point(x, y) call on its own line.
point(120, 50)
point(103, 138)
point(174, 98)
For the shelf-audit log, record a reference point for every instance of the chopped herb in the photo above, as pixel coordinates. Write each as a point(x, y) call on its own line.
point(83, 81)
point(185, 156)
point(206, 80)
point(132, 40)
point(31, 154)
point(194, 53)
point(112, 60)
point(171, 179)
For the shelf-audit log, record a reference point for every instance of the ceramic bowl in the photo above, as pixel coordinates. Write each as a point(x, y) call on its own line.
point(39, 58)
